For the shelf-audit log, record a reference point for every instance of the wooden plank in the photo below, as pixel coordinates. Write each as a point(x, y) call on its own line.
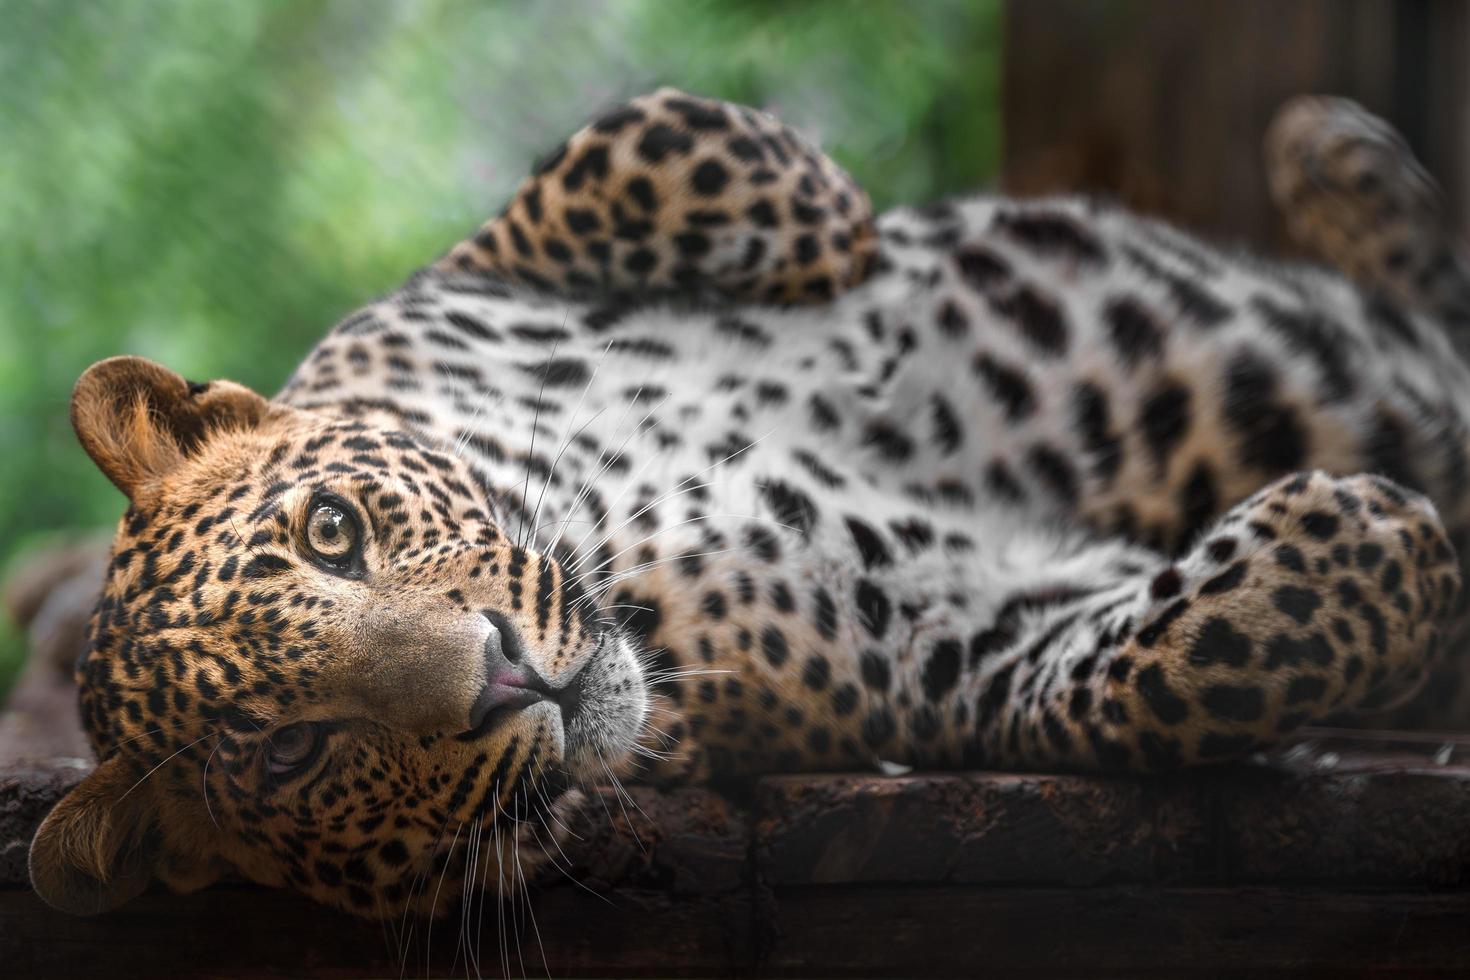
point(948, 931)
point(861, 874)
point(1374, 817)
point(1362, 813)
point(1375, 827)
point(1351, 809)
point(981, 828)
point(664, 889)
point(852, 931)
point(244, 932)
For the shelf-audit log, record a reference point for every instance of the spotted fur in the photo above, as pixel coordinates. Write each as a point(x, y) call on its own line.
point(1050, 486)
point(675, 192)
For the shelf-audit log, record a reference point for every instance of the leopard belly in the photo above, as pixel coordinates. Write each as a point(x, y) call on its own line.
point(901, 525)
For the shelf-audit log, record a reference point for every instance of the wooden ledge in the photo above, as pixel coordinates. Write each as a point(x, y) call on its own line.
point(1343, 853)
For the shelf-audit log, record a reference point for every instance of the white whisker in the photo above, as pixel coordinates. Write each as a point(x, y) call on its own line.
point(689, 479)
point(530, 911)
point(463, 441)
point(567, 874)
point(205, 783)
point(429, 942)
point(682, 672)
point(618, 794)
point(613, 457)
point(535, 424)
point(567, 437)
point(405, 926)
point(164, 763)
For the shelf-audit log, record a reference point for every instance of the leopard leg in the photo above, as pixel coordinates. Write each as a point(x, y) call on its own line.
point(1353, 195)
point(676, 192)
point(1314, 597)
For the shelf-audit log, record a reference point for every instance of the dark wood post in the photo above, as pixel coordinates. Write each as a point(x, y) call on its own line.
point(1162, 104)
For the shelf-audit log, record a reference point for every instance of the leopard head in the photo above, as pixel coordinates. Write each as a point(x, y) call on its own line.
point(319, 659)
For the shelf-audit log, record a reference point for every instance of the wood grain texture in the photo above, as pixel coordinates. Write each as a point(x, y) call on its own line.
point(1342, 854)
point(1163, 105)
point(866, 931)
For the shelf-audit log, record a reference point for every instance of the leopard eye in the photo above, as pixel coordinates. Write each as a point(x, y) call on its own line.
point(292, 747)
point(332, 533)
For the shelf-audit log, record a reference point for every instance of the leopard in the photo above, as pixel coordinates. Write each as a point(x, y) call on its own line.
point(689, 467)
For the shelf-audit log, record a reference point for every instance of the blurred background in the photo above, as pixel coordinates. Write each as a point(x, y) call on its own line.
point(213, 185)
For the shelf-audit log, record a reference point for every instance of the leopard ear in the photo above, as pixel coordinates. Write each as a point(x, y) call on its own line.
point(138, 420)
point(98, 847)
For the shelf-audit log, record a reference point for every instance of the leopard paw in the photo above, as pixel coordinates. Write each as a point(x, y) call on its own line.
point(675, 192)
point(1316, 596)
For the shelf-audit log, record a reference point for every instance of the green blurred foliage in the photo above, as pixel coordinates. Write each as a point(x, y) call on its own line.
point(213, 184)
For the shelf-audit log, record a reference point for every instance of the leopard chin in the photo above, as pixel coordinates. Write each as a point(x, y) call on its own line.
point(609, 720)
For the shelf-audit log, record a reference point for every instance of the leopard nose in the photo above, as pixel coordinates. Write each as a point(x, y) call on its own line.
point(503, 645)
point(510, 683)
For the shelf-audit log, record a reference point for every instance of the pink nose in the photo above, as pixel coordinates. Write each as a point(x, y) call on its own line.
point(510, 683)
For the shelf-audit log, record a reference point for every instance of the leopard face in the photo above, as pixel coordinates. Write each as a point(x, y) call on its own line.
point(320, 657)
